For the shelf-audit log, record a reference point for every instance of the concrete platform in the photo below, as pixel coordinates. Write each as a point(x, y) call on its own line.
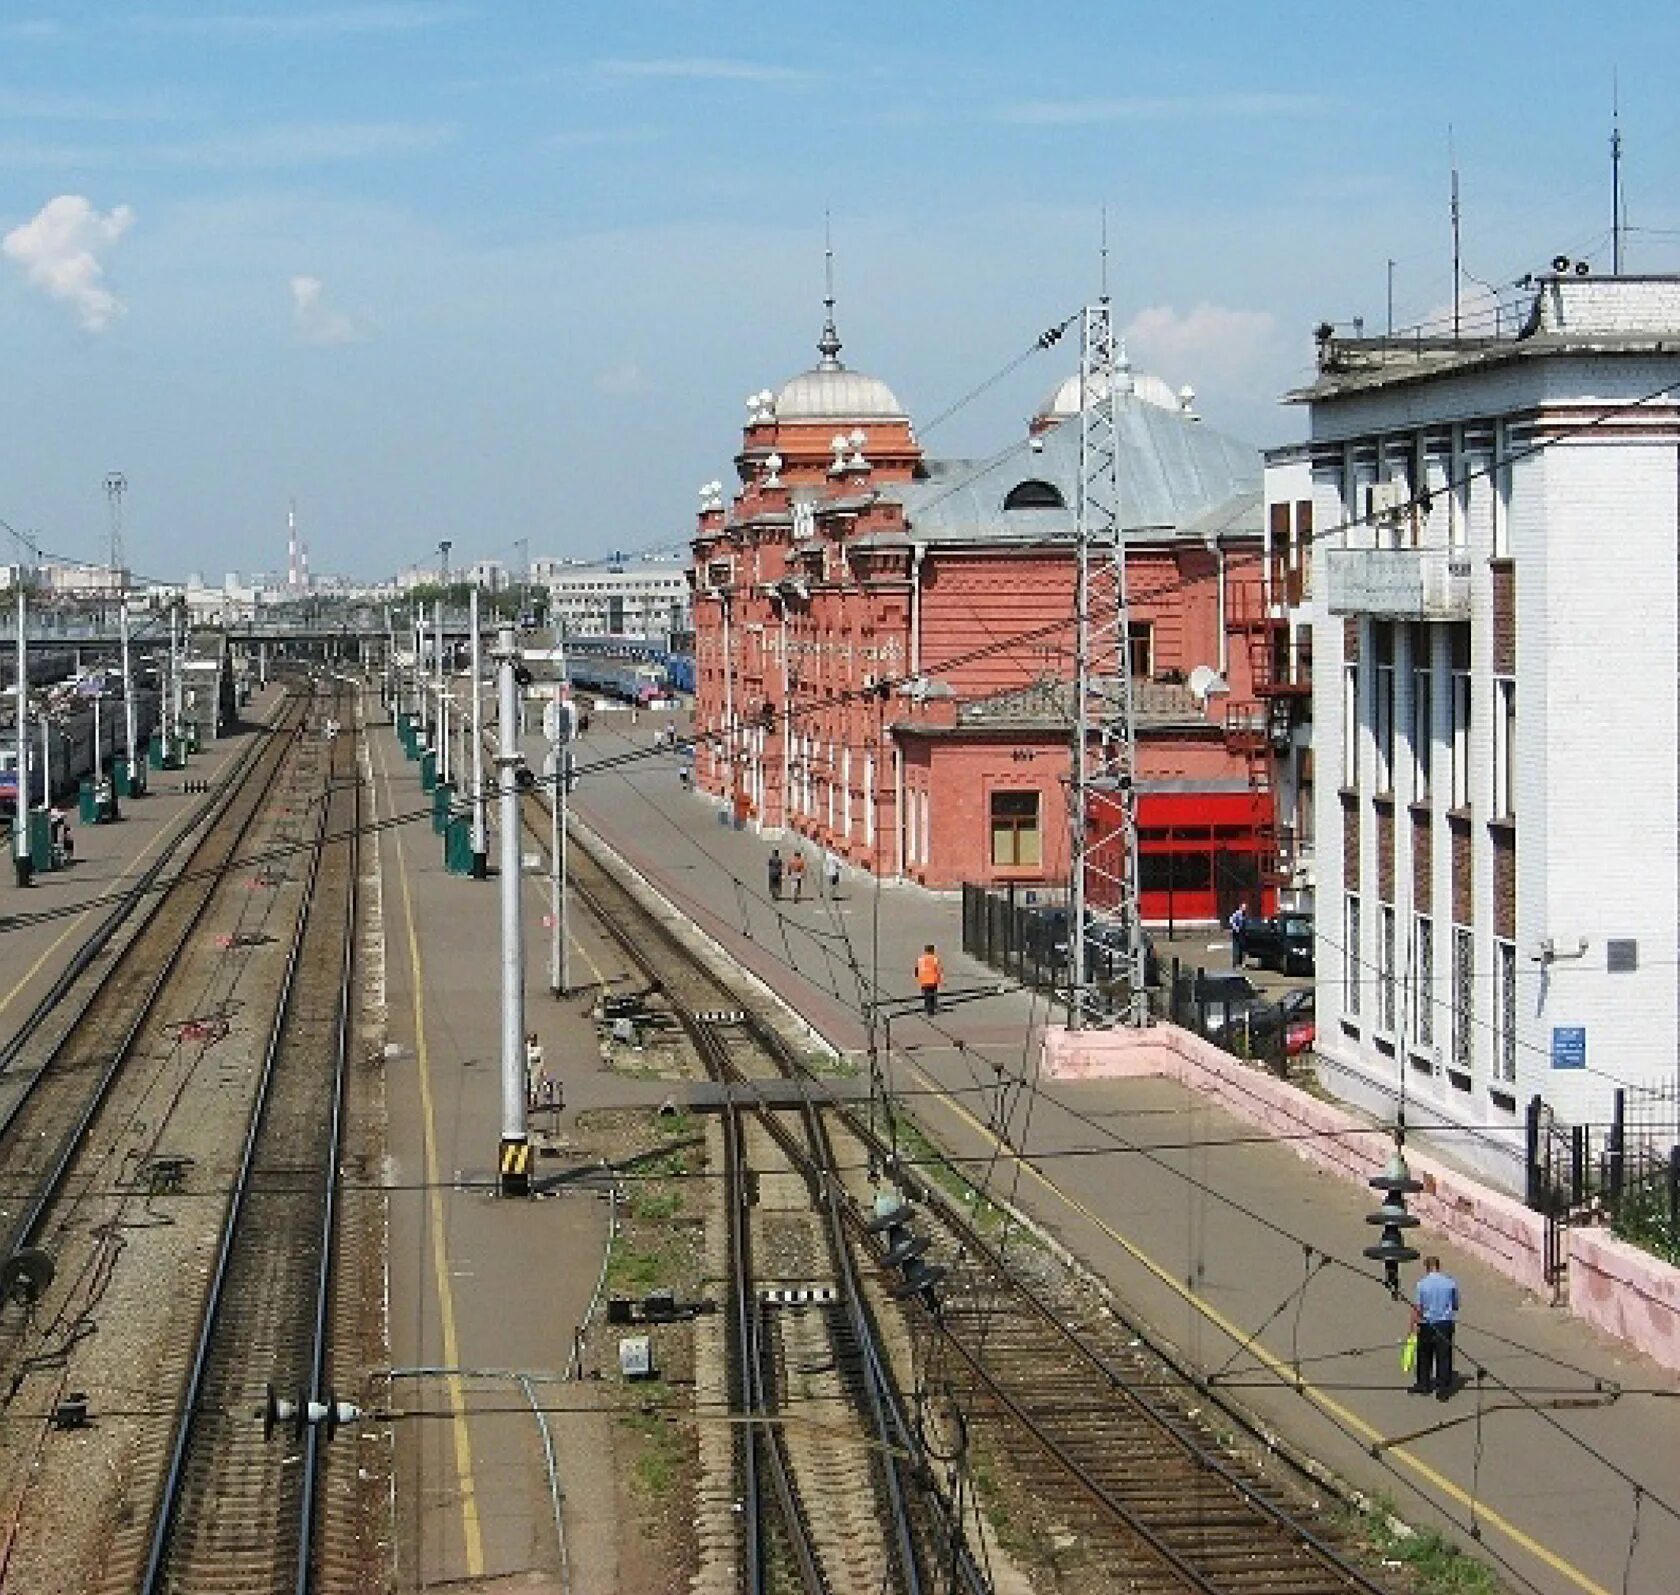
point(1218, 1235)
point(485, 1293)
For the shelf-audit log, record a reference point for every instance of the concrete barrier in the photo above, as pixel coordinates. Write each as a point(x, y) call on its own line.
point(1615, 1287)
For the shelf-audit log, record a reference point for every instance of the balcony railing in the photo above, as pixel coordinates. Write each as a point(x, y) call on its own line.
point(1399, 583)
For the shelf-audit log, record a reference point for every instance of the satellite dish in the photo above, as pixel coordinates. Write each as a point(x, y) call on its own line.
point(1560, 263)
point(1205, 681)
point(25, 1275)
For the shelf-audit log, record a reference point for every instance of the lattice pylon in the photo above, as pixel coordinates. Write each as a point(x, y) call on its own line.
point(1106, 979)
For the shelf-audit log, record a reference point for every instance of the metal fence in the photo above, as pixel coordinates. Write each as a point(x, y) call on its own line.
point(1027, 937)
point(1625, 1173)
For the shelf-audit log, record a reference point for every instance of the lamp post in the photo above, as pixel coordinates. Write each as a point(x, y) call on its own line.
point(480, 838)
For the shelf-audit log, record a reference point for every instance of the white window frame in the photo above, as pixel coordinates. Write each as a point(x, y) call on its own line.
point(1382, 724)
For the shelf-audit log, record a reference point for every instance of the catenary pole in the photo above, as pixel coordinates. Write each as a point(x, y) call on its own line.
point(20, 830)
point(480, 841)
point(515, 1147)
point(129, 728)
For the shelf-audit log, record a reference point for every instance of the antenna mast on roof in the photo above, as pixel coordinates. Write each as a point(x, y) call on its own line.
point(1105, 254)
point(1615, 177)
point(1456, 252)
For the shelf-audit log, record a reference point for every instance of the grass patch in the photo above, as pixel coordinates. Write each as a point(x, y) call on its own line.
point(634, 1270)
point(1644, 1222)
point(659, 1456)
point(916, 1148)
point(1438, 1565)
point(655, 1207)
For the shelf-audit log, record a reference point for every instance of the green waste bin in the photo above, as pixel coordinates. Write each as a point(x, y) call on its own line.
point(154, 752)
point(87, 806)
point(40, 839)
point(428, 771)
point(119, 779)
point(442, 794)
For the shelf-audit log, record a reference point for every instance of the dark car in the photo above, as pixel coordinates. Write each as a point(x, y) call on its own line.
point(1284, 943)
point(1104, 946)
point(1253, 1031)
point(1222, 998)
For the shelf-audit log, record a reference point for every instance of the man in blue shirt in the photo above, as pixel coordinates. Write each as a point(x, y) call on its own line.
point(1434, 1317)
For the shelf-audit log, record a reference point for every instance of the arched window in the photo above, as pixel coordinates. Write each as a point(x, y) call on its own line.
point(1033, 494)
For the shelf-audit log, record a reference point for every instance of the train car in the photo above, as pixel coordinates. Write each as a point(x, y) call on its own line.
point(70, 743)
point(626, 680)
point(679, 672)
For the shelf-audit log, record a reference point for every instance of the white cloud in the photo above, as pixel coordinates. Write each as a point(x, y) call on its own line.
point(1209, 344)
point(318, 322)
point(624, 381)
point(340, 22)
point(59, 249)
point(702, 68)
point(1159, 108)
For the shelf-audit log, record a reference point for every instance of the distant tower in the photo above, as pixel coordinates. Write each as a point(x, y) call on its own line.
point(294, 569)
point(116, 484)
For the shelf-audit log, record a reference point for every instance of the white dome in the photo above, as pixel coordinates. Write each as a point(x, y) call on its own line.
point(1063, 401)
point(836, 394)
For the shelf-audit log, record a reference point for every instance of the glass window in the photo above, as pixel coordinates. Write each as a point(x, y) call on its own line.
point(1350, 956)
point(1504, 747)
point(1015, 833)
point(1386, 982)
point(1464, 997)
point(1140, 648)
point(1350, 726)
point(1505, 1012)
point(1382, 711)
point(1423, 981)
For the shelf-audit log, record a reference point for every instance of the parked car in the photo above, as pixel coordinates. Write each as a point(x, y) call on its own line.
point(1253, 1030)
point(1222, 997)
point(1103, 946)
point(1284, 943)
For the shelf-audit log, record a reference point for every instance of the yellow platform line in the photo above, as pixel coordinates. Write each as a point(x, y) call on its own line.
point(472, 1531)
point(1275, 1365)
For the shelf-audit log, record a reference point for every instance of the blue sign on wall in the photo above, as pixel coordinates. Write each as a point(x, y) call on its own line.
point(1569, 1046)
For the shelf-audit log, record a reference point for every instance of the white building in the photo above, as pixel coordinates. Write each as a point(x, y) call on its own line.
point(1494, 627)
point(645, 598)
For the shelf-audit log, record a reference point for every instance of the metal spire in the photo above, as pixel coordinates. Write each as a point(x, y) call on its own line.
point(1615, 176)
point(828, 345)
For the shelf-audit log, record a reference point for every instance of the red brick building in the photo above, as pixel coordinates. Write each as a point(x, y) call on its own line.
point(884, 641)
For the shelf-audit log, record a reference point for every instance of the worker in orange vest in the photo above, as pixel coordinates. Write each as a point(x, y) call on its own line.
point(929, 973)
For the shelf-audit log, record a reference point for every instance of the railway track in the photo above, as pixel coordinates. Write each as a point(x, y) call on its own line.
point(1162, 1484)
point(850, 1505)
point(239, 1508)
point(151, 1102)
point(47, 1102)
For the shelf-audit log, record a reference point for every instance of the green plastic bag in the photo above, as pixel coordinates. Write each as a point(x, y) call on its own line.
point(1408, 1353)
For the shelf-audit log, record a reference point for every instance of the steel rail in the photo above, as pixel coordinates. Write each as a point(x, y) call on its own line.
point(152, 1580)
point(1206, 1460)
point(891, 1436)
point(132, 896)
point(27, 1229)
point(327, 1268)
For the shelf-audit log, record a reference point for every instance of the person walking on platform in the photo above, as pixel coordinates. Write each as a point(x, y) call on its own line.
point(796, 873)
point(1434, 1316)
point(536, 1076)
point(1238, 919)
point(831, 874)
point(773, 869)
point(929, 973)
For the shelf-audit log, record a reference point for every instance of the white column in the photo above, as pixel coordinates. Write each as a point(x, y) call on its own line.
point(20, 831)
point(513, 944)
point(128, 685)
point(480, 840)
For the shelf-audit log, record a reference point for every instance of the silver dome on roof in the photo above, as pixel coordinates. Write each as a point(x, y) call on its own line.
point(1063, 400)
point(828, 391)
point(832, 393)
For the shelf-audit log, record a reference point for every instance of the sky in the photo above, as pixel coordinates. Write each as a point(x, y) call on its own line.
point(497, 271)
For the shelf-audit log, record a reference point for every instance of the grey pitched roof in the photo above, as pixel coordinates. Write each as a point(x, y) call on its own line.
point(1177, 476)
